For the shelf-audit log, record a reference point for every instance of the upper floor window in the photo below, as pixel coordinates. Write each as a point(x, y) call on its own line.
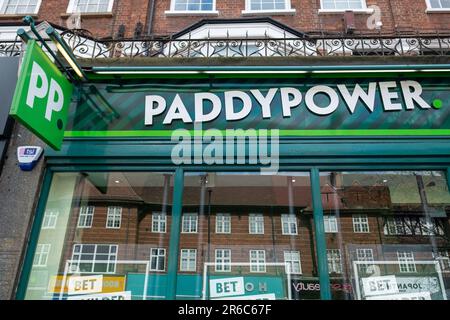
point(190, 223)
point(406, 261)
point(94, 258)
point(90, 6)
point(267, 5)
point(342, 5)
point(50, 219)
point(20, 6)
point(438, 4)
point(193, 5)
point(41, 255)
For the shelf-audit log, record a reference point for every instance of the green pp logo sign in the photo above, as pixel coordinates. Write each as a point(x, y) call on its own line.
point(42, 97)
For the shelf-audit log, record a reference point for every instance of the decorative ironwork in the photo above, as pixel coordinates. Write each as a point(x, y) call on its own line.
point(401, 44)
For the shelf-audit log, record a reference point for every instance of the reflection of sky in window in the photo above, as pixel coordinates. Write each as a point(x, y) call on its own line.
point(193, 5)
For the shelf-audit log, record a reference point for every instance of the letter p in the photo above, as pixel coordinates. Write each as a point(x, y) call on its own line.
point(35, 91)
point(55, 100)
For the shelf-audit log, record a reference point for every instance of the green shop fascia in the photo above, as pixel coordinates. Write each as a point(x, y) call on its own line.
point(180, 120)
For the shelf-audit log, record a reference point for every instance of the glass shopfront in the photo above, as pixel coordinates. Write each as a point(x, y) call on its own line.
point(242, 235)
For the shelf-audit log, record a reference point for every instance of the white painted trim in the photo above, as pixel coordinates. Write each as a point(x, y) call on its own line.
point(3, 4)
point(268, 12)
point(72, 6)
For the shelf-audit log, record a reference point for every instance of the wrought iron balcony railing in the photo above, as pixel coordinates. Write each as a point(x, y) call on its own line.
point(85, 46)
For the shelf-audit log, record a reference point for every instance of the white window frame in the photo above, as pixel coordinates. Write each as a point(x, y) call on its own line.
point(157, 216)
point(173, 12)
point(259, 263)
point(364, 9)
point(112, 215)
point(443, 257)
point(360, 222)
point(287, 256)
point(157, 256)
point(223, 262)
point(73, 6)
point(223, 219)
point(249, 11)
point(186, 254)
point(255, 218)
point(290, 223)
point(108, 262)
point(191, 223)
point(406, 258)
point(41, 255)
point(362, 255)
point(430, 9)
point(4, 3)
point(85, 215)
point(336, 267)
point(50, 215)
point(330, 221)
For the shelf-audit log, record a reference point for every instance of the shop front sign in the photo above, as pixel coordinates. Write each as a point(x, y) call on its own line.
point(42, 97)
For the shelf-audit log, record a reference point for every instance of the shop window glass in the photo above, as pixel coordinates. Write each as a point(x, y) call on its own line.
point(394, 227)
point(104, 231)
point(243, 220)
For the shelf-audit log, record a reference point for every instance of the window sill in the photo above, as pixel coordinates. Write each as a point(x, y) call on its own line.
point(333, 11)
point(268, 12)
point(438, 10)
point(16, 16)
point(191, 13)
point(89, 15)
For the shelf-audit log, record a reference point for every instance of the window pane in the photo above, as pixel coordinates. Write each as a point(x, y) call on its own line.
point(394, 224)
point(121, 256)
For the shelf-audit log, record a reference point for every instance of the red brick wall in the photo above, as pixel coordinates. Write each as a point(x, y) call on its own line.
point(396, 14)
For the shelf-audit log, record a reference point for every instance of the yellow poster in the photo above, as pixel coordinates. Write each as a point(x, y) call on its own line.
point(110, 284)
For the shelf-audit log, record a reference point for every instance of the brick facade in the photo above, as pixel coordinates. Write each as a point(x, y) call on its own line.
point(398, 15)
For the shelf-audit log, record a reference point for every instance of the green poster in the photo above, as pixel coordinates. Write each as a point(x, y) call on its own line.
point(42, 97)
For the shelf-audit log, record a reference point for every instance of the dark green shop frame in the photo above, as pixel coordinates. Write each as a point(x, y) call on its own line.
point(318, 155)
point(308, 153)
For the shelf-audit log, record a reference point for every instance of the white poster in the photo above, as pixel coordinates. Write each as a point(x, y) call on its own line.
point(126, 295)
point(375, 286)
point(403, 296)
point(226, 287)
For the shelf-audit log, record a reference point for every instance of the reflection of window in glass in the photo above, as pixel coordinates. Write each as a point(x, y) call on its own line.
point(188, 260)
point(256, 224)
point(50, 219)
point(444, 260)
point(257, 260)
point(114, 218)
point(360, 223)
point(159, 221)
point(419, 226)
point(293, 259)
point(223, 260)
point(193, 5)
point(94, 258)
point(406, 261)
point(330, 223)
point(157, 259)
point(289, 224)
point(190, 223)
point(364, 254)
point(223, 223)
point(86, 216)
point(41, 255)
point(334, 261)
